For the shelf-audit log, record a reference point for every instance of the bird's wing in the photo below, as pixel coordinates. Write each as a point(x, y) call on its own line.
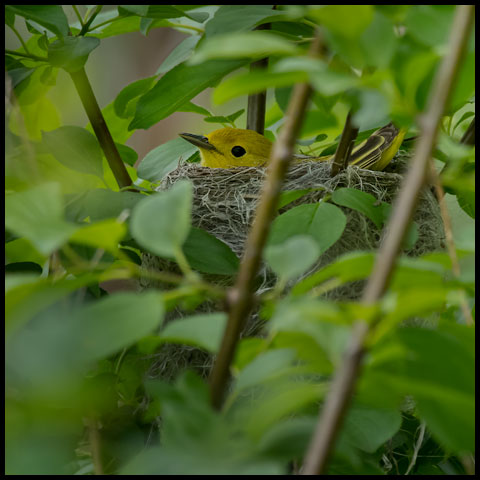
point(370, 151)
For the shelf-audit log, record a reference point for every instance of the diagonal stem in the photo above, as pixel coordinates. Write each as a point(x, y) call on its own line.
point(343, 384)
point(100, 128)
point(242, 294)
point(349, 134)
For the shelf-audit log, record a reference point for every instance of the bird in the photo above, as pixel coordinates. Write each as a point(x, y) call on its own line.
point(237, 147)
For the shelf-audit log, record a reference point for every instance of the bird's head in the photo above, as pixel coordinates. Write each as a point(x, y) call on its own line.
point(231, 147)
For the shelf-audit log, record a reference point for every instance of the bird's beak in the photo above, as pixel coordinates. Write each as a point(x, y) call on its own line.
point(198, 140)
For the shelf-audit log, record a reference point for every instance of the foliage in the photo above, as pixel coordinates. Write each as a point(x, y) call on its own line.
point(76, 355)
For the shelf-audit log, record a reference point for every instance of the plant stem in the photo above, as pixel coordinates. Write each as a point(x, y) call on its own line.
point(24, 45)
point(344, 381)
point(468, 137)
point(77, 13)
point(242, 294)
point(349, 134)
point(257, 101)
point(26, 55)
point(100, 128)
point(86, 26)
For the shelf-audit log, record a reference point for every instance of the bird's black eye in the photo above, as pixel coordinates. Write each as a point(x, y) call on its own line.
point(238, 151)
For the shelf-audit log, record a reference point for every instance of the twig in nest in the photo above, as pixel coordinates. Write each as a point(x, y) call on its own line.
point(242, 294)
point(349, 134)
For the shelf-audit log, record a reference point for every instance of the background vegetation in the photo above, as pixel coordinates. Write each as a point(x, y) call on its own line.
point(80, 209)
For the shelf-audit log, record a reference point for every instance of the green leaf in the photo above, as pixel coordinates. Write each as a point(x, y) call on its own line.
point(323, 221)
point(208, 254)
point(263, 367)
point(124, 104)
point(179, 54)
point(161, 223)
point(368, 429)
point(349, 267)
point(346, 20)
point(204, 331)
point(255, 44)
point(37, 214)
point(100, 204)
point(106, 326)
point(373, 109)
point(224, 119)
point(379, 41)
point(362, 202)
point(76, 148)
point(105, 234)
point(466, 201)
point(254, 82)
point(177, 87)
point(293, 257)
point(236, 18)
point(128, 154)
point(465, 83)
point(194, 108)
point(292, 195)
point(71, 53)
point(163, 159)
point(430, 24)
point(51, 17)
point(414, 361)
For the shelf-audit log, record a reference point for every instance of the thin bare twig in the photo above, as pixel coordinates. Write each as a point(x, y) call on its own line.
point(257, 101)
point(242, 295)
point(94, 441)
point(447, 226)
point(343, 384)
point(418, 446)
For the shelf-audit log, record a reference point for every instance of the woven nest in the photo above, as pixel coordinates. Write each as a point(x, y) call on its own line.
point(224, 205)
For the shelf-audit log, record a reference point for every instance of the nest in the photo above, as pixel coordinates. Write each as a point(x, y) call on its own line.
point(225, 201)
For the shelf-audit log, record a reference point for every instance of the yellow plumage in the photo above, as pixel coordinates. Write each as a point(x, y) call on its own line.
point(236, 147)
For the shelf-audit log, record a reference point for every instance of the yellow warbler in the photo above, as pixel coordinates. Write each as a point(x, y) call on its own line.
point(236, 147)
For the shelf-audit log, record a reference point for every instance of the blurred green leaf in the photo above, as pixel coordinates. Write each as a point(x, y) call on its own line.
point(255, 44)
point(37, 214)
point(178, 86)
point(161, 222)
point(71, 53)
point(292, 257)
point(368, 428)
point(163, 159)
point(265, 366)
point(237, 18)
point(105, 234)
point(379, 41)
point(346, 20)
point(76, 148)
point(203, 330)
point(253, 82)
point(100, 204)
point(309, 219)
point(51, 17)
point(349, 267)
point(208, 254)
point(430, 24)
point(179, 54)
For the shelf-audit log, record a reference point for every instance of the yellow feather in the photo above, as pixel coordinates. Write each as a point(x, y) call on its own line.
point(235, 147)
